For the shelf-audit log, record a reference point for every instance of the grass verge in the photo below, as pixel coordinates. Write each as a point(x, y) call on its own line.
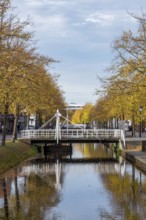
point(14, 153)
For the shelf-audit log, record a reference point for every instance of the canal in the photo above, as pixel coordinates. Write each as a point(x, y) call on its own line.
point(38, 190)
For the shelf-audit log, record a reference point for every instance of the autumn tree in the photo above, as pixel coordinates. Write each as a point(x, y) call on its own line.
point(130, 47)
point(12, 34)
point(125, 90)
point(82, 115)
point(25, 80)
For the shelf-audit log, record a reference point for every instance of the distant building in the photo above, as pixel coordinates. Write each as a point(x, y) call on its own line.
point(74, 106)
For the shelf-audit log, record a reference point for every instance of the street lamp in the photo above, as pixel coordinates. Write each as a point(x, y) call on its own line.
point(140, 124)
point(67, 118)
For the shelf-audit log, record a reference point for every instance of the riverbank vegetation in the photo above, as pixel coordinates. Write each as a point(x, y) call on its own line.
point(14, 153)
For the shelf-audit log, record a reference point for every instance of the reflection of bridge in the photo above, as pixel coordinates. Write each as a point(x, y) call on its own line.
point(44, 169)
point(78, 135)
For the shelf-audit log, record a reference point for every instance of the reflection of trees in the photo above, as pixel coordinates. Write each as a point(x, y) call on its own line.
point(17, 193)
point(94, 150)
point(40, 195)
point(126, 196)
point(6, 204)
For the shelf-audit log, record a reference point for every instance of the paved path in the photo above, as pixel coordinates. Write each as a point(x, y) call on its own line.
point(128, 136)
point(8, 136)
point(137, 154)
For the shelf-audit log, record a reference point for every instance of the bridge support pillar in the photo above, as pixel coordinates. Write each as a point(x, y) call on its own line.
point(58, 128)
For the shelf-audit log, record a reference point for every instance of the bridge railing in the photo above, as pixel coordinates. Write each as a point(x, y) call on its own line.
point(37, 134)
point(73, 133)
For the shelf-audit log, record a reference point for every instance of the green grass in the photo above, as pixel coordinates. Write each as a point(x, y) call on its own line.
point(14, 153)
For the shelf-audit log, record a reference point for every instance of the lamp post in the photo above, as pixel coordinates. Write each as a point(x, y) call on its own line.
point(140, 124)
point(67, 118)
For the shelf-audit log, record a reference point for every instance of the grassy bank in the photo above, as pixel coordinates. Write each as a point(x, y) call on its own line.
point(14, 153)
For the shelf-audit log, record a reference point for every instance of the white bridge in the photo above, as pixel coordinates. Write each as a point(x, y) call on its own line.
point(116, 134)
point(77, 135)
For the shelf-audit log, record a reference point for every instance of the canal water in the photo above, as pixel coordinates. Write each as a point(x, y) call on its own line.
point(37, 190)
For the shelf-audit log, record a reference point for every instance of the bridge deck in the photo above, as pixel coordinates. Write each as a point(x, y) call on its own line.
point(77, 160)
point(73, 140)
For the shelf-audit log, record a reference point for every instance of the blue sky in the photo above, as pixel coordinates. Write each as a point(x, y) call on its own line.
point(79, 34)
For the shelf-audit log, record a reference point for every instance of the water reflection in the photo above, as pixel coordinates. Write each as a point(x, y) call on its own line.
point(48, 191)
point(91, 150)
point(6, 205)
point(77, 151)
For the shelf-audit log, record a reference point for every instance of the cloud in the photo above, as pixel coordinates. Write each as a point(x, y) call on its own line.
point(50, 25)
point(34, 3)
point(55, 21)
point(37, 3)
point(102, 19)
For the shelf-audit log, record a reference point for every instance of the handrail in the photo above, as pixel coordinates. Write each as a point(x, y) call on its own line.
point(73, 133)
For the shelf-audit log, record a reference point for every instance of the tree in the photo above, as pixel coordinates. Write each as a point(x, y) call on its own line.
point(130, 47)
point(82, 115)
point(12, 34)
point(125, 90)
point(25, 80)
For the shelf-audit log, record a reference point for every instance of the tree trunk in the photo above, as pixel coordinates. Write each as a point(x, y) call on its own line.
point(15, 127)
point(133, 126)
point(4, 130)
point(38, 119)
point(27, 121)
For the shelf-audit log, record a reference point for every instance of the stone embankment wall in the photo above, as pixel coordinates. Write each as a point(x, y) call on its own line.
point(137, 158)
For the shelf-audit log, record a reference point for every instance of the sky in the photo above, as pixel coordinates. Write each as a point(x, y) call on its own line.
point(79, 34)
